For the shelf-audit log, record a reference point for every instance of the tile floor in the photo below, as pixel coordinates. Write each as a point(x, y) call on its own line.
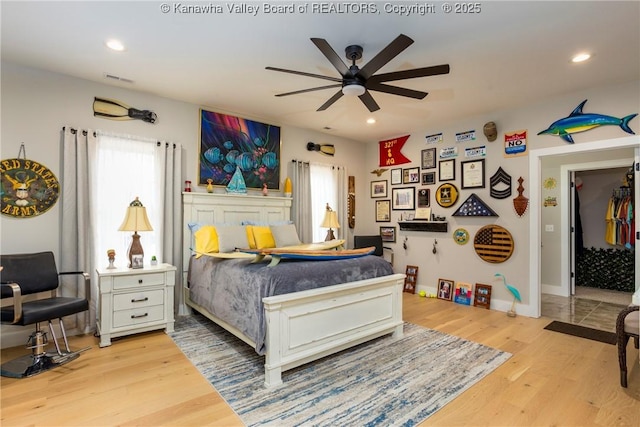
point(590, 307)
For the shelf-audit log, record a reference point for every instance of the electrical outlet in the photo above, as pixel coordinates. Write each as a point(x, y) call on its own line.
point(548, 227)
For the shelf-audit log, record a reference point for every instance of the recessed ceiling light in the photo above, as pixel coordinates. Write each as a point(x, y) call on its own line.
point(115, 45)
point(581, 57)
point(371, 120)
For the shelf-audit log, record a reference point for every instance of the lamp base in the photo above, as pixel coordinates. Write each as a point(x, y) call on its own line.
point(330, 236)
point(136, 254)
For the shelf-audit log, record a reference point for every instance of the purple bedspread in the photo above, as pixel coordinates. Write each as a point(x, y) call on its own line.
point(233, 289)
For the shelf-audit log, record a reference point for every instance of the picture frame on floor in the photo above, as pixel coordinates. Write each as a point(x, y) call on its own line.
point(482, 296)
point(445, 289)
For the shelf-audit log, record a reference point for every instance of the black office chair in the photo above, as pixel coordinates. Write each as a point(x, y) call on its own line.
point(28, 274)
point(374, 240)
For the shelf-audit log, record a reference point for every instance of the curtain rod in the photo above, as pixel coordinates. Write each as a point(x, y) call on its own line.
point(84, 132)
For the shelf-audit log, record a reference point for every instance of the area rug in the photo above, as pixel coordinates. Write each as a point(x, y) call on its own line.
point(380, 383)
point(582, 332)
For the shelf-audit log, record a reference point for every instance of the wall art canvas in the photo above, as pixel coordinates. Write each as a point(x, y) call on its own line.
point(227, 142)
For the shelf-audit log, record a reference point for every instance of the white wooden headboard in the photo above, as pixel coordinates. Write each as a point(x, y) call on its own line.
point(211, 208)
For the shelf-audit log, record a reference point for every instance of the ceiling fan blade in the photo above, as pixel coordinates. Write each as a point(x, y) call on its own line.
point(302, 73)
point(369, 102)
point(309, 90)
point(410, 74)
point(392, 50)
point(331, 55)
point(331, 100)
point(394, 90)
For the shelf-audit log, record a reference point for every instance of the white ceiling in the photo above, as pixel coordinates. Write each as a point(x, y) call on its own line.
point(507, 55)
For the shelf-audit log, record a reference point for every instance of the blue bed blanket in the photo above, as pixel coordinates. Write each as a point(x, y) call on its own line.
point(232, 289)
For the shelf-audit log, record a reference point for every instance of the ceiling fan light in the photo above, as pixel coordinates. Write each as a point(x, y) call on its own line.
point(353, 89)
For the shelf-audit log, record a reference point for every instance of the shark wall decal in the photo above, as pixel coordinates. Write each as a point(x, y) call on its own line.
point(580, 122)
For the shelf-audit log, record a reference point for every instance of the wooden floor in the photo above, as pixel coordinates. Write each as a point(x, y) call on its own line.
point(552, 379)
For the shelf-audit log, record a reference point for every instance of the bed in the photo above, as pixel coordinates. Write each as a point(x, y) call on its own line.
point(294, 323)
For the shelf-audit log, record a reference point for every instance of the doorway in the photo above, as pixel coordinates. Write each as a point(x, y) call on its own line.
point(620, 149)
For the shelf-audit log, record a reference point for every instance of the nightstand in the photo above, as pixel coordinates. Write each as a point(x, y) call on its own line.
point(134, 300)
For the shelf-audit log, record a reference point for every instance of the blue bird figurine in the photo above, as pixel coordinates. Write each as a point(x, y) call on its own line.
point(514, 292)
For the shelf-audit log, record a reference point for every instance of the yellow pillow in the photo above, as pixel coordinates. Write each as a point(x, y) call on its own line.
point(263, 237)
point(250, 238)
point(206, 240)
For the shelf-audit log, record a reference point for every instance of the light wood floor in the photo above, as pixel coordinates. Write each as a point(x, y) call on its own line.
point(552, 379)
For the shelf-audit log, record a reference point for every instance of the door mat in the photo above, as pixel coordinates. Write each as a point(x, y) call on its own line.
point(582, 332)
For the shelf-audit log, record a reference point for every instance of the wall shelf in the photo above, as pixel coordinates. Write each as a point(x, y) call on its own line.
point(435, 226)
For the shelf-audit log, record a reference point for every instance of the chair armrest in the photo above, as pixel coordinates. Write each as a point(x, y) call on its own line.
point(17, 300)
point(621, 316)
point(87, 281)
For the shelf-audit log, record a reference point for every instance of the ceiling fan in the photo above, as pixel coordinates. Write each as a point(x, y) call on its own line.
point(357, 81)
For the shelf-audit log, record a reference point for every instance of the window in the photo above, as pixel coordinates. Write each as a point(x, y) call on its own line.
point(124, 168)
point(324, 189)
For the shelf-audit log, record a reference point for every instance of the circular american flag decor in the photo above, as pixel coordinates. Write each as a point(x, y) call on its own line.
point(493, 243)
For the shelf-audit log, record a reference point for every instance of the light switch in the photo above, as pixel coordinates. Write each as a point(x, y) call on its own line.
point(548, 227)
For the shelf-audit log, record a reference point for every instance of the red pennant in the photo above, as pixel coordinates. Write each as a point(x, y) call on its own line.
point(390, 151)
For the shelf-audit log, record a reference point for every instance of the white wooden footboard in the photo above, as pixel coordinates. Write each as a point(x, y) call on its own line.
point(309, 325)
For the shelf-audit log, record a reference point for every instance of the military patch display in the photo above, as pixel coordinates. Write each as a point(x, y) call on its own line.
point(447, 195)
point(493, 243)
point(27, 189)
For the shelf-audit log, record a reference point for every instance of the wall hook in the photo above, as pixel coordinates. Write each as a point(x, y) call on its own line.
point(435, 242)
point(404, 244)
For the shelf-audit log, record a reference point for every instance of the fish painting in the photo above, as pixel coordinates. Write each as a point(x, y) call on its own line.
point(578, 121)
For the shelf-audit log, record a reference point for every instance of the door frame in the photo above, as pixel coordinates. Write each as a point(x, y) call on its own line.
point(535, 169)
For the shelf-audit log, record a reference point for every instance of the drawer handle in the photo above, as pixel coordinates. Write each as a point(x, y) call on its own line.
point(140, 299)
point(138, 316)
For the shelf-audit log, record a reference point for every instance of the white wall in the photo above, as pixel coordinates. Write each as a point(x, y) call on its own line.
point(460, 263)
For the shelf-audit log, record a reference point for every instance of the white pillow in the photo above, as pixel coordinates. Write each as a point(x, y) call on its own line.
point(285, 235)
point(231, 237)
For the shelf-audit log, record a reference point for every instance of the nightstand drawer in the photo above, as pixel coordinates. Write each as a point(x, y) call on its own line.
point(138, 299)
point(136, 316)
point(126, 282)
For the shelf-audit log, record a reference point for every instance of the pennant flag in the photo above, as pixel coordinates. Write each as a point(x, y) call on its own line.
point(390, 151)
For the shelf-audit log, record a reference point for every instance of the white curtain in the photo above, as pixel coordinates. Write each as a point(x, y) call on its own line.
point(77, 232)
point(328, 184)
point(111, 171)
point(301, 204)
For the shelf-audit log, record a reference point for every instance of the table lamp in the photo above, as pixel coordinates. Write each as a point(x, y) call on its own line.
point(330, 221)
point(136, 220)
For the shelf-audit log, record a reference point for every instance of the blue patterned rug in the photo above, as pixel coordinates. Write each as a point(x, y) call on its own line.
point(379, 383)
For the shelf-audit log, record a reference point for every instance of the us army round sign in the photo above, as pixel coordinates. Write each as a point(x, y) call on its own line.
point(27, 188)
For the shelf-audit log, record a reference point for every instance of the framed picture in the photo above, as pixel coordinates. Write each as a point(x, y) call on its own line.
point(411, 279)
point(445, 289)
point(424, 198)
point(383, 210)
point(447, 170)
point(428, 178)
point(462, 293)
point(428, 158)
point(379, 189)
point(472, 173)
point(137, 261)
point(388, 234)
point(411, 175)
point(403, 199)
point(396, 176)
point(482, 297)
point(228, 142)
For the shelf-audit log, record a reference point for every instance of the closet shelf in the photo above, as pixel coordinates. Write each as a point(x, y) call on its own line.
point(416, 225)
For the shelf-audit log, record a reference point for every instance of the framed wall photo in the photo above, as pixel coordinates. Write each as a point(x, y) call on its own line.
point(396, 176)
point(379, 189)
point(428, 178)
point(445, 289)
point(229, 142)
point(411, 175)
point(447, 170)
point(403, 199)
point(482, 296)
point(383, 210)
point(388, 234)
point(472, 174)
point(428, 158)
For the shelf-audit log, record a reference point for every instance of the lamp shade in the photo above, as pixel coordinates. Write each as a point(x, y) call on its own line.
point(353, 90)
point(330, 220)
point(136, 218)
